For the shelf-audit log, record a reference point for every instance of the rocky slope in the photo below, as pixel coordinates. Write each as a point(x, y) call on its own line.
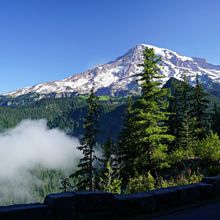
point(116, 77)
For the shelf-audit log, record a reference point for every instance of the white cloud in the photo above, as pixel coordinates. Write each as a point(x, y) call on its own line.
point(30, 144)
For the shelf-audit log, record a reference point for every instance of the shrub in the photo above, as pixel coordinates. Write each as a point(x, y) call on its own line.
point(140, 183)
point(182, 179)
point(209, 148)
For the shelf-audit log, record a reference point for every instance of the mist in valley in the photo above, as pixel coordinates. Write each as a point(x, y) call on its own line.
point(33, 159)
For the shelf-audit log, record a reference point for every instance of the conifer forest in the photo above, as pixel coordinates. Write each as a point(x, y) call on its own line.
point(168, 135)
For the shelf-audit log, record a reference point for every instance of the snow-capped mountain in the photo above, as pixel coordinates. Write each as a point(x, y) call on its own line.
point(117, 77)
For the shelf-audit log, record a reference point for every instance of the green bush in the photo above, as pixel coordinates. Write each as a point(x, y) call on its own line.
point(110, 181)
point(140, 183)
point(209, 148)
point(183, 179)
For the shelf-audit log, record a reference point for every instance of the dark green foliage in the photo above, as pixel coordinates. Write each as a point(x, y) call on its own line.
point(144, 156)
point(49, 182)
point(208, 149)
point(213, 170)
point(109, 180)
point(65, 184)
point(216, 119)
point(108, 150)
point(182, 179)
point(125, 152)
point(185, 123)
point(34, 185)
point(86, 171)
point(67, 114)
point(143, 141)
point(141, 183)
point(190, 119)
point(200, 110)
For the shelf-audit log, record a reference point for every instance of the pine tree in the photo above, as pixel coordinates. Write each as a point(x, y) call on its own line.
point(200, 110)
point(65, 184)
point(216, 119)
point(109, 173)
point(191, 118)
point(110, 181)
point(86, 172)
point(173, 121)
point(126, 154)
point(145, 134)
point(108, 151)
point(185, 121)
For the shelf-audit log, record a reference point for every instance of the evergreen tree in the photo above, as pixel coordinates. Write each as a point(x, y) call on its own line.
point(126, 154)
point(200, 110)
point(182, 123)
point(109, 173)
point(216, 119)
point(110, 181)
point(108, 151)
point(186, 128)
point(191, 118)
point(173, 121)
point(145, 133)
point(86, 171)
point(65, 184)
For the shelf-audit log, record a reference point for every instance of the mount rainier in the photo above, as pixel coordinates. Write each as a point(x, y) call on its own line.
point(116, 78)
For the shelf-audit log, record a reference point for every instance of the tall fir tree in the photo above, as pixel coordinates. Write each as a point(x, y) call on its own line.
point(191, 117)
point(215, 119)
point(143, 142)
point(173, 120)
point(108, 151)
point(200, 110)
point(109, 180)
point(185, 122)
point(86, 172)
point(126, 154)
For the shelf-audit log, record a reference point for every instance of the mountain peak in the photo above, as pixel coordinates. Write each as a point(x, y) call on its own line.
point(116, 78)
point(166, 52)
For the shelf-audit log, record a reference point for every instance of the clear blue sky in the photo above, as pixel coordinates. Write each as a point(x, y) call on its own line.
point(43, 40)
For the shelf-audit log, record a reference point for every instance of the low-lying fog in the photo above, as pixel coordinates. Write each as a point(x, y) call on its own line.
point(29, 147)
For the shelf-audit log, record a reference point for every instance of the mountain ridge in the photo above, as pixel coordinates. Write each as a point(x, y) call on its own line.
point(116, 78)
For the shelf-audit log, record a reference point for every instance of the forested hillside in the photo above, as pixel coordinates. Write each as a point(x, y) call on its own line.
point(67, 114)
point(170, 136)
point(166, 136)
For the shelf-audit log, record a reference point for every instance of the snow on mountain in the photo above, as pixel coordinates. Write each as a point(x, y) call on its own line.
point(117, 77)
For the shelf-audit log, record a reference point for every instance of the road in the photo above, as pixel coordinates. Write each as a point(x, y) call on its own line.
point(208, 211)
